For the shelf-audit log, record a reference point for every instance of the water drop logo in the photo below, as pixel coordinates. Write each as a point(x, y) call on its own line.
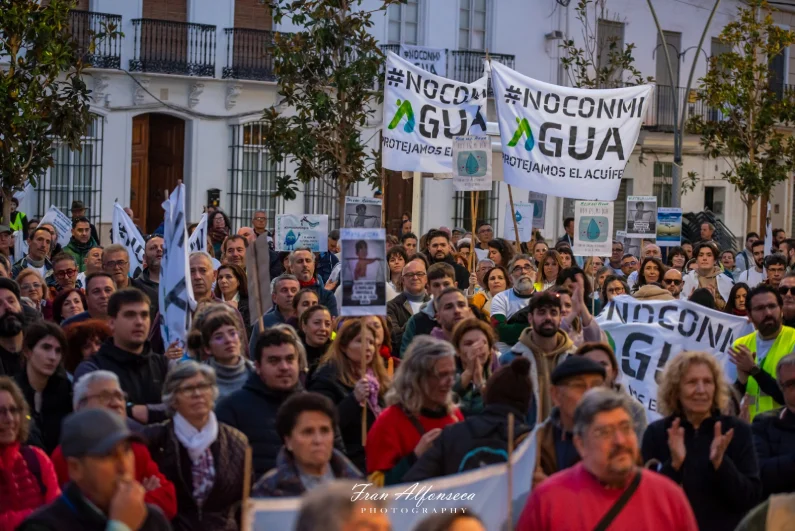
point(404, 109)
point(523, 130)
point(518, 217)
point(471, 166)
point(594, 229)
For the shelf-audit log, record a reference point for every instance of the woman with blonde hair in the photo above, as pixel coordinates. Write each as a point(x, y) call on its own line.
point(353, 376)
point(33, 287)
point(710, 454)
point(548, 270)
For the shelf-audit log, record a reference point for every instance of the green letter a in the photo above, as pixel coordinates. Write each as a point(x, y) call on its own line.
point(524, 128)
point(404, 109)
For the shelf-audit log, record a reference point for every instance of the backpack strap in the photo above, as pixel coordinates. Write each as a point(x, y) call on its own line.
point(34, 466)
point(414, 420)
point(620, 503)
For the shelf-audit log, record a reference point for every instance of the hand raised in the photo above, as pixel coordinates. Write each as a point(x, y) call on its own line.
point(720, 442)
point(676, 444)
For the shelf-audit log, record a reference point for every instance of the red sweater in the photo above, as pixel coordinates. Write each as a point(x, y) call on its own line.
point(393, 436)
point(658, 504)
point(20, 493)
point(164, 496)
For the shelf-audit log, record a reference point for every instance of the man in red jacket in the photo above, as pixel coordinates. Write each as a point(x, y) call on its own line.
point(101, 389)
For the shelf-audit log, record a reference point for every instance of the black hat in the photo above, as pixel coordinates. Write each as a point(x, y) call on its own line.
point(93, 432)
point(78, 205)
point(10, 285)
point(511, 385)
point(575, 366)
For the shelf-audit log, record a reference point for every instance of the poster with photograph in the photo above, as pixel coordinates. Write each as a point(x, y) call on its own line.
point(363, 271)
point(593, 226)
point(539, 202)
point(302, 230)
point(472, 163)
point(362, 213)
point(523, 212)
point(642, 216)
point(669, 226)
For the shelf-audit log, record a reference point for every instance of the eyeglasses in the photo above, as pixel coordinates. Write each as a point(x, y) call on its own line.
point(28, 287)
point(191, 389)
point(673, 281)
point(417, 275)
point(616, 291)
point(11, 410)
point(114, 265)
point(522, 268)
point(606, 433)
point(66, 273)
point(630, 264)
point(784, 290)
point(106, 397)
point(260, 218)
point(788, 385)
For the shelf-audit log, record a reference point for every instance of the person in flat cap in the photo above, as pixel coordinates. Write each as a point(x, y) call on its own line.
point(78, 211)
point(482, 439)
point(102, 493)
point(570, 380)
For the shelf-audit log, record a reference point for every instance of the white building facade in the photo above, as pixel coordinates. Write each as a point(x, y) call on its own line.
point(179, 97)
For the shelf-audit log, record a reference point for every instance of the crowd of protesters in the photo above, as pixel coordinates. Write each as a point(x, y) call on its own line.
point(103, 426)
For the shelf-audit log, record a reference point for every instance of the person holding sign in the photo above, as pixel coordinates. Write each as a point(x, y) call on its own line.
point(710, 454)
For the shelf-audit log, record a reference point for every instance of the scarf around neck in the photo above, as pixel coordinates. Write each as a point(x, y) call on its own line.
point(196, 442)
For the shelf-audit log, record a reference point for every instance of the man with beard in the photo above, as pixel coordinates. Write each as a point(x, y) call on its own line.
point(11, 325)
point(507, 303)
point(451, 309)
point(755, 275)
point(580, 497)
point(545, 345)
point(141, 372)
point(149, 279)
point(81, 242)
point(672, 281)
point(439, 251)
point(757, 354)
point(787, 291)
point(744, 259)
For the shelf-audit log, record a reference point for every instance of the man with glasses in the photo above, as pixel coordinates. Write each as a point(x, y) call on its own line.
point(440, 276)
point(615, 259)
point(101, 390)
point(400, 309)
point(116, 263)
point(787, 291)
point(65, 272)
point(629, 265)
point(485, 235)
point(259, 221)
point(507, 303)
point(672, 281)
point(775, 268)
point(757, 354)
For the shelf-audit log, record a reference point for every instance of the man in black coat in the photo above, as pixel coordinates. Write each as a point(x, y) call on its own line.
point(400, 309)
point(141, 372)
point(93, 442)
point(439, 250)
point(482, 439)
point(774, 435)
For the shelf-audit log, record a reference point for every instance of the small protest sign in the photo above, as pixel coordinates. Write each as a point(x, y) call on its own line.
point(642, 217)
point(363, 271)
point(593, 225)
point(362, 213)
point(669, 226)
point(302, 230)
point(539, 202)
point(523, 213)
point(472, 163)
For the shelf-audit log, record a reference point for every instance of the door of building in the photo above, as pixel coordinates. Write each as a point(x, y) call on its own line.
point(398, 199)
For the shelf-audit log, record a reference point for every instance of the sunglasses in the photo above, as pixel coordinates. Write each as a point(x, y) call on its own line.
point(784, 290)
point(675, 282)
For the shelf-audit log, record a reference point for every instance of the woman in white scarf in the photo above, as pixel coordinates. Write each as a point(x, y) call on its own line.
point(202, 457)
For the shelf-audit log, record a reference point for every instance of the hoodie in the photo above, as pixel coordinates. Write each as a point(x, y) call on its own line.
point(79, 251)
point(650, 292)
point(542, 365)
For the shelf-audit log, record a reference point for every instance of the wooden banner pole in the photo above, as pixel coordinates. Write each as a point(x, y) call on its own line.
point(515, 224)
point(510, 470)
point(473, 203)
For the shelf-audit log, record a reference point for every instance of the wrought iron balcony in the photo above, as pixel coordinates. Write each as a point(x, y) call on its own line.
point(660, 111)
point(84, 25)
point(249, 54)
point(467, 65)
point(174, 48)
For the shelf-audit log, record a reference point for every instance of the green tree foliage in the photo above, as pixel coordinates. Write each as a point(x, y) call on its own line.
point(43, 95)
point(746, 129)
point(328, 76)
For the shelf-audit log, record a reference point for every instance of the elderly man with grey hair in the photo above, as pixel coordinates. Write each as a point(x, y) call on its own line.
point(283, 289)
point(194, 444)
point(302, 265)
point(509, 302)
point(340, 506)
point(607, 487)
point(101, 390)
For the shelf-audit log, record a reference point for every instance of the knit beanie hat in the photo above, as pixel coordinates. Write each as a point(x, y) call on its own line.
point(10, 285)
point(511, 385)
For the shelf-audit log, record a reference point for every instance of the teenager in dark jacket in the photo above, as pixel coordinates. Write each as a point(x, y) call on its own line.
point(45, 344)
point(473, 442)
point(141, 372)
point(774, 435)
point(340, 378)
point(721, 483)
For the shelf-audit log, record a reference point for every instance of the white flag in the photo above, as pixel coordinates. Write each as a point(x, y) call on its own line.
point(198, 240)
point(176, 292)
point(126, 234)
point(61, 222)
point(422, 114)
point(564, 141)
point(20, 246)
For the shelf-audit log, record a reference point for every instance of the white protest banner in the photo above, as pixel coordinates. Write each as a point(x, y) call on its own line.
point(433, 60)
point(669, 226)
point(19, 195)
point(523, 212)
point(642, 217)
point(646, 334)
point(20, 246)
point(198, 240)
point(564, 141)
point(362, 212)
point(593, 226)
point(484, 491)
point(422, 114)
point(621, 236)
point(472, 163)
point(61, 222)
point(539, 202)
point(176, 292)
point(125, 233)
point(302, 230)
point(363, 271)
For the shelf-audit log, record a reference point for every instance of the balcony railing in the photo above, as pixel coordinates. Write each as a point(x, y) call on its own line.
point(660, 114)
point(249, 54)
point(84, 25)
point(174, 48)
point(467, 65)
